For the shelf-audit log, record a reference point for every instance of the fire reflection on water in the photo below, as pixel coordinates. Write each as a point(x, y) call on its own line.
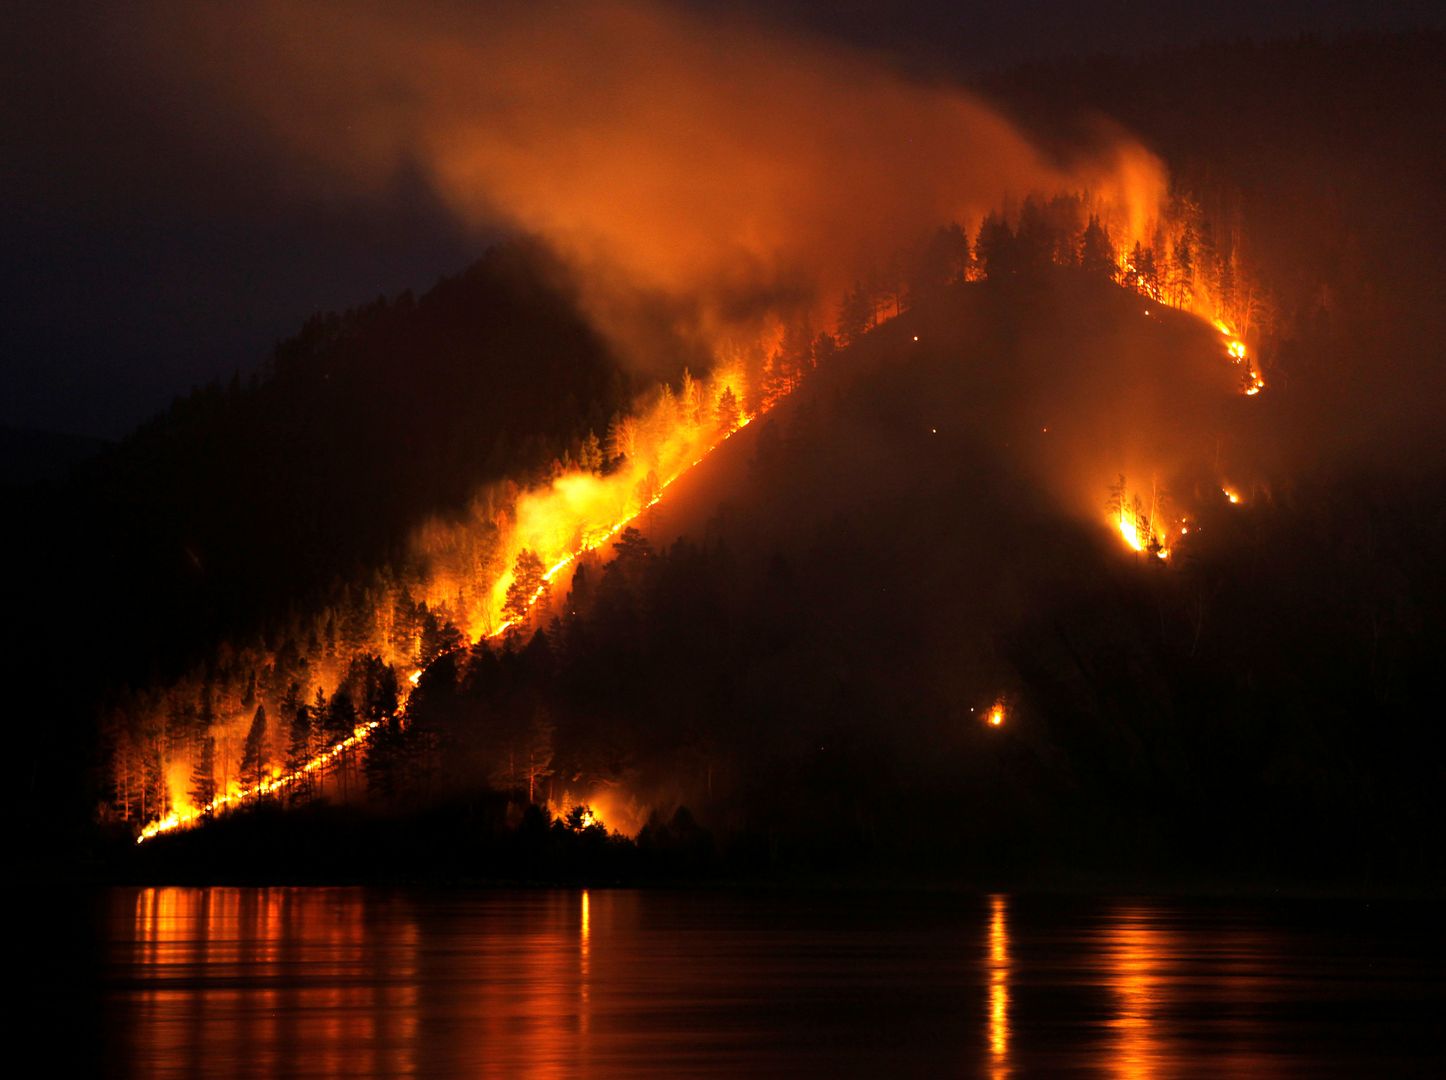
point(1137, 954)
point(219, 992)
point(584, 945)
point(232, 982)
point(998, 1027)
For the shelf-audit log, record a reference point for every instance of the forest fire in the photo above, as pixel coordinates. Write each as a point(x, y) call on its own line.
point(555, 505)
point(277, 783)
point(1148, 531)
point(1252, 382)
point(648, 495)
point(1144, 531)
point(1084, 374)
point(489, 575)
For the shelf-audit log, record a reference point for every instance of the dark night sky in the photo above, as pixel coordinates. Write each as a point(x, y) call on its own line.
point(148, 248)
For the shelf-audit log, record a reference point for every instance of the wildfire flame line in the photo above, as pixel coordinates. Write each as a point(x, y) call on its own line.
point(598, 541)
point(277, 782)
point(363, 732)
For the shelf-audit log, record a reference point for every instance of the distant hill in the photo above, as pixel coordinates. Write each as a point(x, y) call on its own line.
point(28, 456)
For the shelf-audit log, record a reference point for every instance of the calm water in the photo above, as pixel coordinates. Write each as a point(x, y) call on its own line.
point(619, 983)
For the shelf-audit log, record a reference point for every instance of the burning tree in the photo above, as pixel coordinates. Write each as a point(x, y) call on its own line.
point(301, 746)
point(203, 775)
point(527, 583)
point(1137, 527)
point(728, 411)
point(253, 752)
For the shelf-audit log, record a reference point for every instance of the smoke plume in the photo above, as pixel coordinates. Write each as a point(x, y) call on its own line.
point(725, 169)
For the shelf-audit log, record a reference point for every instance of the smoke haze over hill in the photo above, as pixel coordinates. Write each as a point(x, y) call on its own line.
point(729, 170)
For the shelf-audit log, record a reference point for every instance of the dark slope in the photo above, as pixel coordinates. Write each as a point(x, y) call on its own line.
point(904, 548)
point(244, 502)
point(832, 602)
point(238, 501)
point(29, 457)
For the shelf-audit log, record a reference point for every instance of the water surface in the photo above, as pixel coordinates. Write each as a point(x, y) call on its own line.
point(229, 982)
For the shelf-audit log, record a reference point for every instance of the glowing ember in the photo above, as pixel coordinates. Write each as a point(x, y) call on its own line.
point(995, 716)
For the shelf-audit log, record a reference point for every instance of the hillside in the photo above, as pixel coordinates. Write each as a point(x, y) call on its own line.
point(1325, 155)
point(242, 505)
point(940, 519)
point(804, 641)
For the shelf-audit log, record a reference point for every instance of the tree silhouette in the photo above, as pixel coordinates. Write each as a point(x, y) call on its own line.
point(437, 636)
point(301, 742)
point(728, 413)
point(994, 248)
point(856, 314)
point(203, 775)
point(1096, 253)
point(253, 751)
point(527, 581)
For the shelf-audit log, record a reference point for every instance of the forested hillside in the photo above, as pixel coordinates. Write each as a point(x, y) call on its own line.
point(800, 645)
point(246, 503)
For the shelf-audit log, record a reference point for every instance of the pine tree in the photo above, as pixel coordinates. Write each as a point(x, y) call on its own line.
point(340, 716)
point(592, 456)
point(944, 262)
point(301, 740)
point(994, 248)
point(203, 776)
point(374, 688)
point(855, 314)
point(647, 490)
point(622, 438)
point(436, 637)
point(253, 751)
point(632, 553)
point(155, 792)
point(1033, 240)
point(339, 725)
point(1183, 268)
point(1139, 276)
point(728, 414)
point(318, 712)
point(1096, 253)
point(824, 346)
point(526, 582)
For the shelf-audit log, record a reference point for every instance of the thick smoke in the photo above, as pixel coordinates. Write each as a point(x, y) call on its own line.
point(727, 170)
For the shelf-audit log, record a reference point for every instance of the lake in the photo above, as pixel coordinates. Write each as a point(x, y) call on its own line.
point(365, 982)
